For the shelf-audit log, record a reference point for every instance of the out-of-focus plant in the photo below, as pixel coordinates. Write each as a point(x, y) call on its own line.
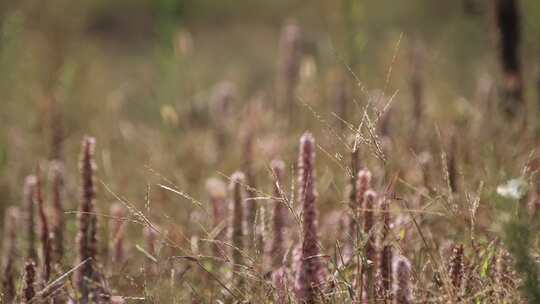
point(518, 233)
point(10, 30)
point(169, 13)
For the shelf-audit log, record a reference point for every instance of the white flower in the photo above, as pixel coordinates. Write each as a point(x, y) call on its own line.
point(513, 189)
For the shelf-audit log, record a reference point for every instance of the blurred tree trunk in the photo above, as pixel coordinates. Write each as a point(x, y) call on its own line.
point(508, 21)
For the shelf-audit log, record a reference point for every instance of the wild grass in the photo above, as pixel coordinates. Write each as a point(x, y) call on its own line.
point(375, 177)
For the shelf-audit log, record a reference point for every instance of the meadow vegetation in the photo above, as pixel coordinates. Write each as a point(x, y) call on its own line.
point(274, 152)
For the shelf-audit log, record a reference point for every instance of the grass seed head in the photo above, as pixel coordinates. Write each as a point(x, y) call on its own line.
point(277, 248)
point(56, 174)
point(310, 274)
point(117, 233)
point(385, 257)
point(29, 281)
point(87, 220)
point(29, 189)
point(151, 238)
point(290, 51)
point(236, 187)
point(9, 254)
point(402, 281)
point(46, 250)
point(217, 191)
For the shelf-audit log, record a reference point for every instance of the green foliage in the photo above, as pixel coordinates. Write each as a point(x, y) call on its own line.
point(519, 236)
point(169, 14)
point(10, 31)
point(487, 266)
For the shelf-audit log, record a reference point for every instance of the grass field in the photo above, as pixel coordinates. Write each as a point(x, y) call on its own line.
point(270, 151)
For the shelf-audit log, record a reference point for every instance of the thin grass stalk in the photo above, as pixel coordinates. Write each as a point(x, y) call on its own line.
point(150, 236)
point(402, 281)
point(46, 251)
point(417, 90)
point(237, 224)
point(29, 281)
point(117, 233)
point(57, 132)
point(457, 268)
point(353, 174)
point(296, 257)
point(503, 276)
point(384, 131)
point(341, 97)
point(354, 204)
point(362, 183)
point(310, 272)
point(279, 279)
point(251, 193)
point(9, 254)
point(370, 250)
point(222, 99)
point(261, 234)
point(218, 195)
point(87, 220)
point(29, 188)
point(385, 259)
point(277, 247)
point(289, 64)
point(58, 222)
point(452, 164)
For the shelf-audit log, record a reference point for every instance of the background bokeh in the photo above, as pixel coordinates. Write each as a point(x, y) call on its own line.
point(139, 75)
point(114, 66)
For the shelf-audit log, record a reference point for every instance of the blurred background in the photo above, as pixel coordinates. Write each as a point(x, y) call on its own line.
point(142, 77)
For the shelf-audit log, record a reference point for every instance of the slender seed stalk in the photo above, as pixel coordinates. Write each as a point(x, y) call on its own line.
point(87, 220)
point(218, 194)
point(289, 64)
point(222, 98)
point(503, 273)
point(310, 273)
point(341, 97)
point(29, 189)
point(457, 268)
point(354, 218)
point(46, 251)
point(9, 255)
point(251, 193)
point(368, 275)
point(362, 185)
point(29, 281)
point(402, 281)
point(58, 222)
point(279, 279)
point(452, 164)
point(117, 233)
point(277, 248)
point(57, 132)
point(385, 259)
point(417, 90)
point(237, 224)
point(151, 243)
